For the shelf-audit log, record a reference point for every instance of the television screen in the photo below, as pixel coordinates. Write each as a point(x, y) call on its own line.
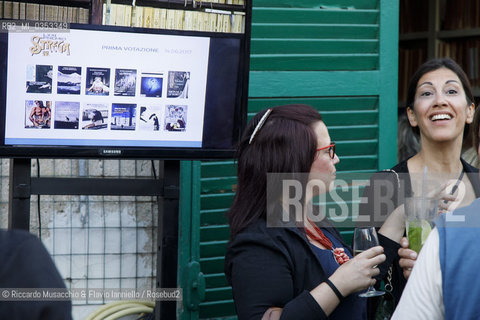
point(102, 91)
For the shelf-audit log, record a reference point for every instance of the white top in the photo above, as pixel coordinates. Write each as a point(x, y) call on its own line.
point(422, 297)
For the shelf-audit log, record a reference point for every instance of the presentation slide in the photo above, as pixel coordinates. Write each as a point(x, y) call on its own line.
point(106, 88)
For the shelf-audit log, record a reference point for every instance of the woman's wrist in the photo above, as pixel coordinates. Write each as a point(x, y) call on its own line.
point(343, 288)
point(335, 290)
point(326, 297)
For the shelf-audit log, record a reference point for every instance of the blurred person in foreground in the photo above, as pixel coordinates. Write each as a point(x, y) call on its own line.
point(25, 263)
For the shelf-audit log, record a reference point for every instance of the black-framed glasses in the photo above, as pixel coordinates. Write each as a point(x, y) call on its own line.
point(331, 150)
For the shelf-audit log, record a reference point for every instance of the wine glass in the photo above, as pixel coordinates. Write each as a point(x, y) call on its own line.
point(365, 238)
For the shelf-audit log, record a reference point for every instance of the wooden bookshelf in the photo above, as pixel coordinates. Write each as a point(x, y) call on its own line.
point(413, 36)
point(438, 28)
point(72, 11)
point(213, 16)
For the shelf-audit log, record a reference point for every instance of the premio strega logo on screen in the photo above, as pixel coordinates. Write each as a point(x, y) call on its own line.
point(48, 44)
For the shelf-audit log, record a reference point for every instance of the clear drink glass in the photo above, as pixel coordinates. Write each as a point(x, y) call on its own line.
point(420, 213)
point(364, 239)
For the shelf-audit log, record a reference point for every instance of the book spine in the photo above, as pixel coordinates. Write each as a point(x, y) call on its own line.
point(179, 15)
point(22, 12)
point(65, 14)
point(104, 15)
point(51, 13)
point(148, 17)
point(32, 11)
point(163, 18)
point(156, 18)
point(15, 10)
point(205, 23)
point(7, 9)
point(120, 15)
point(137, 16)
point(116, 15)
point(237, 23)
point(107, 13)
point(84, 14)
point(128, 16)
point(227, 24)
point(170, 24)
point(211, 20)
point(70, 15)
point(188, 20)
point(76, 14)
point(42, 12)
point(195, 20)
point(219, 22)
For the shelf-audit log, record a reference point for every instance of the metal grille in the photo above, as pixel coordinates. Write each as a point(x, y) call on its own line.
point(97, 242)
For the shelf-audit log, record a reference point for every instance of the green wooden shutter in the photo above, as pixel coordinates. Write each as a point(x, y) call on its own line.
point(339, 56)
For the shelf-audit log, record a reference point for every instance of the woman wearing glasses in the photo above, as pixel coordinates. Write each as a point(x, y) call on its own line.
point(279, 262)
point(440, 105)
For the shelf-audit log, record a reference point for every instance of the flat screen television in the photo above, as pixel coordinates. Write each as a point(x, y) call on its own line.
point(103, 91)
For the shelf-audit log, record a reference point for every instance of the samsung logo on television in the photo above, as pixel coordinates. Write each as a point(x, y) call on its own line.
point(111, 152)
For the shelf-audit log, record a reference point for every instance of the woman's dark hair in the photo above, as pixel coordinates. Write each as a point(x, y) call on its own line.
point(286, 143)
point(432, 65)
point(408, 141)
point(475, 129)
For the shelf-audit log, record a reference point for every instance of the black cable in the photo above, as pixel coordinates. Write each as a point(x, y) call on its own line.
point(38, 204)
point(153, 170)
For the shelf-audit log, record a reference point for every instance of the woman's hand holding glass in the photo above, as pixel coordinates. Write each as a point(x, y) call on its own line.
point(363, 239)
point(357, 273)
point(407, 257)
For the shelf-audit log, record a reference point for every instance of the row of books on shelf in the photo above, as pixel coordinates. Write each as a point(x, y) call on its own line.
point(206, 19)
point(234, 2)
point(194, 3)
point(413, 16)
point(461, 14)
point(16, 10)
point(209, 20)
point(467, 54)
point(454, 15)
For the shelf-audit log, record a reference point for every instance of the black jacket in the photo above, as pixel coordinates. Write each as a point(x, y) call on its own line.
point(25, 263)
point(275, 267)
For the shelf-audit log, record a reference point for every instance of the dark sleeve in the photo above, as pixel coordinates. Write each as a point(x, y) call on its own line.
point(27, 264)
point(379, 199)
point(261, 277)
point(472, 174)
point(390, 248)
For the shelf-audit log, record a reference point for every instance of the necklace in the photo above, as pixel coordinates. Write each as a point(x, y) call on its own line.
point(338, 253)
point(455, 187)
